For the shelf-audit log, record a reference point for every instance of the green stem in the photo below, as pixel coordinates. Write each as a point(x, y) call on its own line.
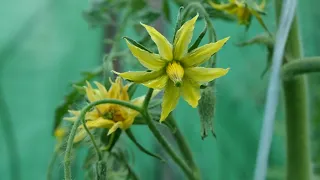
point(298, 151)
point(147, 99)
point(91, 136)
point(183, 145)
point(168, 147)
point(67, 157)
point(295, 67)
point(140, 147)
point(10, 138)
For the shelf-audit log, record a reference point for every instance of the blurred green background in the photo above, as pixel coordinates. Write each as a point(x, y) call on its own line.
point(44, 45)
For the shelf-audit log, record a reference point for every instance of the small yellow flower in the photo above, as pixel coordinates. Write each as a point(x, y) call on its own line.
point(109, 116)
point(174, 68)
point(242, 10)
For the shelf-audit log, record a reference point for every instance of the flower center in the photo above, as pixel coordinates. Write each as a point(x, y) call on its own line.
point(175, 72)
point(114, 114)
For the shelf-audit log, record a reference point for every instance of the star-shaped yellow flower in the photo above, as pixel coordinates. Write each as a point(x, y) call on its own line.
point(242, 10)
point(174, 68)
point(109, 116)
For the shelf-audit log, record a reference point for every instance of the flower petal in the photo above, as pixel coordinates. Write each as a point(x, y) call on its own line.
point(103, 91)
point(148, 60)
point(224, 7)
point(129, 121)
point(99, 123)
point(91, 95)
point(203, 75)
point(183, 38)
point(191, 91)
point(157, 83)
point(170, 99)
point(164, 46)
point(140, 76)
point(203, 53)
point(81, 134)
point(114, 128)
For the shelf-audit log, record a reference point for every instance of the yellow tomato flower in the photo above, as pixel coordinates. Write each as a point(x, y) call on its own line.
point(174, 68)
point(242, 10)
point(111, 116)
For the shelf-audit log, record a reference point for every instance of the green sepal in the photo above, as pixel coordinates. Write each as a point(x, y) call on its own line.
point(199, 39)
point(81, 90)
point(140, 147)
point(206, 111)
point(72, 97)
point(110, 141)
point(217, 14)
point(178, 22)
point(135, 43)
point(265, 40)
point(132, 89)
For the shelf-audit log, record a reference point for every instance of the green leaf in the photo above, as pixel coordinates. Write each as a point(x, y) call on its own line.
point(206, 111)
point(101, 167)
point(137, 5)
point(137, 44)
point(140, 147)
point(72, 97)
point(166, 10)
point(199, 39)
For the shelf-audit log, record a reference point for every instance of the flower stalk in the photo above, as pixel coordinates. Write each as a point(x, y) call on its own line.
point(298, 150)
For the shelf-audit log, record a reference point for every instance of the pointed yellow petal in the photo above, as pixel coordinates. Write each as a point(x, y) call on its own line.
point(157, 83)
point(128, 122)
point(191, 92)
point(203, 75)
point(81, 134)
point(203, 53)
point(170, 100)
point(223, 7)
point(140, 76)
point(148, 60)
point(99, 123)
point(114, 128)
point(72, 119)
point(90, 93)
point(164, 46)
point(183, 38)
point(103, 91)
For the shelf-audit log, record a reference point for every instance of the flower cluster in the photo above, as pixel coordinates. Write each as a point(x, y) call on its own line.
point(242, 9)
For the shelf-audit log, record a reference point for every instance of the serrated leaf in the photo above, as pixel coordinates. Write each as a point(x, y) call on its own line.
point(199, 39)
point(72, 97)
point(166, 10)
point(140, 147)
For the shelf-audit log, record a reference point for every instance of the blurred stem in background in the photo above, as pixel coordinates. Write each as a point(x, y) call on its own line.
point(10, 138)
point(298, 151)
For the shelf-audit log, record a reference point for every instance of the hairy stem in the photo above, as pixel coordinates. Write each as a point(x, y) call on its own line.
point(67, 157)
point(298, 151)
point(295, 68)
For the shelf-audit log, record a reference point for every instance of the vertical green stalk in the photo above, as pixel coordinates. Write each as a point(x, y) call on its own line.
point(298, 151)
